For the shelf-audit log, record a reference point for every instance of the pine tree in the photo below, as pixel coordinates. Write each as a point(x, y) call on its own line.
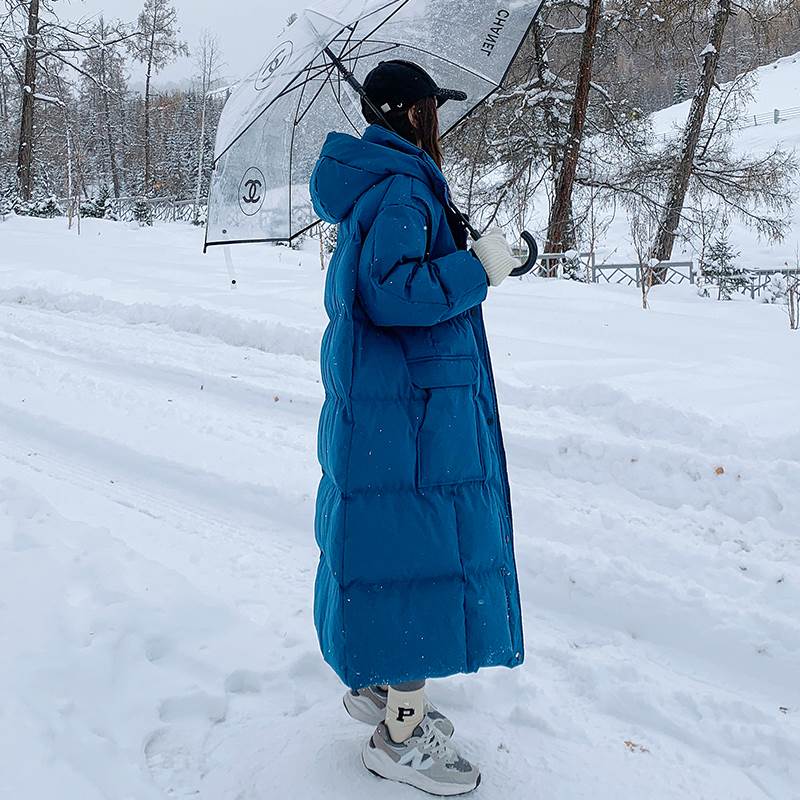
point(720, 267)
point(142, 213)
point(103, 88)
point(681, 89)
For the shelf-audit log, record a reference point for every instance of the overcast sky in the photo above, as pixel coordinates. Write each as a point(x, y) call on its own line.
point(244, 27)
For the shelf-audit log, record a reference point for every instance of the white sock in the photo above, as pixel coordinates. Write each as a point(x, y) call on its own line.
point(404, 711)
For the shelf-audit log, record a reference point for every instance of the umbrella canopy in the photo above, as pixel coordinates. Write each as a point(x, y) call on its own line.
point(274, 125)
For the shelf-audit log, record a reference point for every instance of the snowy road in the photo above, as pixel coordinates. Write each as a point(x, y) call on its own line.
point(157, 476)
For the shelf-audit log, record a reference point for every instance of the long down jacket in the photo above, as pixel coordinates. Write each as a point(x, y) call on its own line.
point(416, 577)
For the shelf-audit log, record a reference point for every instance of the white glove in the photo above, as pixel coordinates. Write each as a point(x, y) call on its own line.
point(496, 255)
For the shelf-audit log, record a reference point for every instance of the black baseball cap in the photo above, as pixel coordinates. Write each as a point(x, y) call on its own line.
point(399, 84)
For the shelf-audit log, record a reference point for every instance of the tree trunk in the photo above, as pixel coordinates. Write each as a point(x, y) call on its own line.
point(147, 164)
point(559, 233)
point(77, 137)
point(147, 133)
point(543, 82)
point(201, 156)
point(112, 155)
point(26, 130)
point(3, 97)
point(679, 183)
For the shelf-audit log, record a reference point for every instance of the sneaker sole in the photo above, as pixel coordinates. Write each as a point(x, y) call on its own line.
point(400, 775)
point(363, 710)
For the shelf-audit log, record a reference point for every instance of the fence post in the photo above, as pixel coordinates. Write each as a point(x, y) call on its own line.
point(777, 115)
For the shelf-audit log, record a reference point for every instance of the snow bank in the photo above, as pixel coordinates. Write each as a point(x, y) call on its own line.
point(271, 337)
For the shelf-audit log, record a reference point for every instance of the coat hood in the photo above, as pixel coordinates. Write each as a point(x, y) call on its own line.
point(349, 166)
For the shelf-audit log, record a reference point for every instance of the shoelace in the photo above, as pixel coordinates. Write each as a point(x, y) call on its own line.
point(434, 743)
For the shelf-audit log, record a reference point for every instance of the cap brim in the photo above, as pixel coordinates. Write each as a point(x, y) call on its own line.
point(443, 95)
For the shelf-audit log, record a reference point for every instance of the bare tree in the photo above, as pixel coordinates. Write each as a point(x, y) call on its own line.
point(5, 101)
point(643, 225)
point(34, 29)
point(794, 306)
point(757, 188)
point(104, 77)
point(210, 64)
point(793, 295)
point(679, 183)
point(156, 45)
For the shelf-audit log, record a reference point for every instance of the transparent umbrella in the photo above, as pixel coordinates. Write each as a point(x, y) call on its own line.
point(275, 123)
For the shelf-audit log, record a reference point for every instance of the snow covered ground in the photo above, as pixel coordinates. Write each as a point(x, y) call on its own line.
point(157, 478)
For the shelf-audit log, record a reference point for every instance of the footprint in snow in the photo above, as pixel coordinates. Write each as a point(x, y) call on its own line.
point(171, 758)
point(243, 681)
point(194, 706)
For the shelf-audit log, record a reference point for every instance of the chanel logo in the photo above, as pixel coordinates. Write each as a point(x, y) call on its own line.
point(275, 60)
point(251, 191)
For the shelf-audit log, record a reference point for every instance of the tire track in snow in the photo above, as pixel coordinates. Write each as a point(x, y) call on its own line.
point(250, 389)
point(268, 336)
point(155, 487)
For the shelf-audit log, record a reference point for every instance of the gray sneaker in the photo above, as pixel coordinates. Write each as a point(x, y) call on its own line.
point(369, 706)
point(427, 761)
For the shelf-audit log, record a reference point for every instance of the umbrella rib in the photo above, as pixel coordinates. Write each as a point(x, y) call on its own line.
point(352, 29)
point(300, 101)
point(298, 120)
point(341, 107)
point(274, 240)
point(386, 49)
point(379, 26)
point(442, 58)
point(308, 67)
point(370, 14)
point(320, 73)
point(291, 146)
point(337, 96)
point(299, 117)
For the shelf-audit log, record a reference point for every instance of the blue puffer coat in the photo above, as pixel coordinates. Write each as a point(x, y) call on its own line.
point(416, 577)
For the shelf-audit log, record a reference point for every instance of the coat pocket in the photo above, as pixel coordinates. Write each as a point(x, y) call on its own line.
point(448, 441)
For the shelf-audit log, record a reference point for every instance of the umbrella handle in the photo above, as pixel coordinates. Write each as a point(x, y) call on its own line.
point(533, 256)
point(533, 248)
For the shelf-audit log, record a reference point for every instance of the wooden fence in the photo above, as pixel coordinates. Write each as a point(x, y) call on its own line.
point(162, 209)
point(630, 274)
point(758, 280)
point(774, 117)
point(674, 272)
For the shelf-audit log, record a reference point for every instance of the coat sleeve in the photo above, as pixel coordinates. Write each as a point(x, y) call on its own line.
point(399, 285)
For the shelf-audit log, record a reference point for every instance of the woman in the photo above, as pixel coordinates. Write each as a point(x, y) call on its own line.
point(416, 577)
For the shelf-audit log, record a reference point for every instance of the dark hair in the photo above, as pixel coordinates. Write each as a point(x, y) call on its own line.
point(426, 132)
